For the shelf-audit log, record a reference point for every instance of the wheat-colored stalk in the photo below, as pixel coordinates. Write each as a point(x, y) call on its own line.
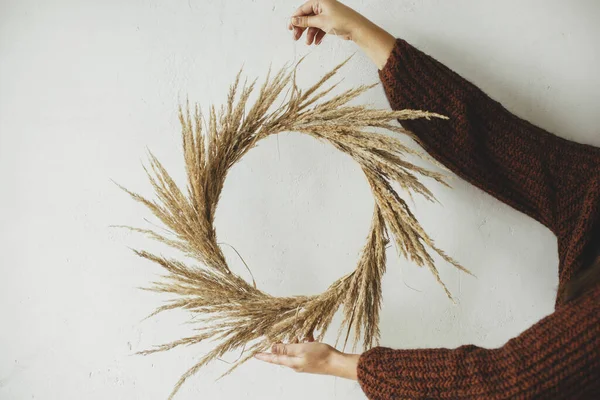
point(238, 315)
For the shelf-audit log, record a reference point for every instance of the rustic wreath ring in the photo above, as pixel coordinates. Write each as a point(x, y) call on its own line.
point(234, 313)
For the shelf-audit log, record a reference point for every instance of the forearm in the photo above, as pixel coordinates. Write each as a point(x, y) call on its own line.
point(343, 365)
point(373, 40)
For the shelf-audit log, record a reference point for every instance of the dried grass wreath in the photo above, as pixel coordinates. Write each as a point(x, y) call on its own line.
point(237, 314)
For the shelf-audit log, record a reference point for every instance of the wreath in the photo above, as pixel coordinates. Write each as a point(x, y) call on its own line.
point(234, 313)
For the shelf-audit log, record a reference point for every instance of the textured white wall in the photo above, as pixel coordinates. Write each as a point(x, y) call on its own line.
point(86, 86)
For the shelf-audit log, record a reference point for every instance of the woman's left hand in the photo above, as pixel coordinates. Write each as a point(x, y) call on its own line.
point(312, 357)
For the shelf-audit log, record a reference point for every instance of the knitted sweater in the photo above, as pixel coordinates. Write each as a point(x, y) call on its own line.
point(553, 180)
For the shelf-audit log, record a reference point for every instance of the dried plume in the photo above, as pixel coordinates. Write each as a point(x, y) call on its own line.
point(235, 314)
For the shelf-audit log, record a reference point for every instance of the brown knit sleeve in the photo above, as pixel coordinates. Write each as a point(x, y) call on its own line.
point(557, 358)
point(549, 178)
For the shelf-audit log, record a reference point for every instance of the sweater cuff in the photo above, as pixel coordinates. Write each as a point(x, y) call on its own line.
point(394, 57)
point(384, 373)
point(375, 368)
point(365, 371)
point(395, 67)
point(413, 80)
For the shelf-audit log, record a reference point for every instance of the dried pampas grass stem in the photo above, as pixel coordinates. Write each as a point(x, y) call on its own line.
point(235, 314)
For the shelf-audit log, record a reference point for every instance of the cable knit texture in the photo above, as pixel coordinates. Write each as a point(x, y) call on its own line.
point(551, 179)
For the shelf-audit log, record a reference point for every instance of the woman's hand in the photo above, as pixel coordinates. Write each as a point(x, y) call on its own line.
point(320, 17)
point(313, 358)
point(324, 16)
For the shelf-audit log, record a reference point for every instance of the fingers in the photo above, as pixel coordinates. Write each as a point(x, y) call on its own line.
point(308, 8)
point(291, 349)
point(287, 349)
point(279, 348)
point(298, 32)
point(314, 34)
point(310, 35)
point(305, 9)
point(319, 39)
point(307, 16)
point(278, 359)
point(305, 21)
point(281, 354)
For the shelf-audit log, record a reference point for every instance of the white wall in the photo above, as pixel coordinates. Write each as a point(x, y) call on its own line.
point(86, 86)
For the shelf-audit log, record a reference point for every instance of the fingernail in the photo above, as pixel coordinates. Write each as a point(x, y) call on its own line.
point(295, 20)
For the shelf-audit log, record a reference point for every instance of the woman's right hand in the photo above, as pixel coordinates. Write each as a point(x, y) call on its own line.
point(320, 17)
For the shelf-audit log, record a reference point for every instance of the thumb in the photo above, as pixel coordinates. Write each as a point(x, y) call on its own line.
point(307, 21)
